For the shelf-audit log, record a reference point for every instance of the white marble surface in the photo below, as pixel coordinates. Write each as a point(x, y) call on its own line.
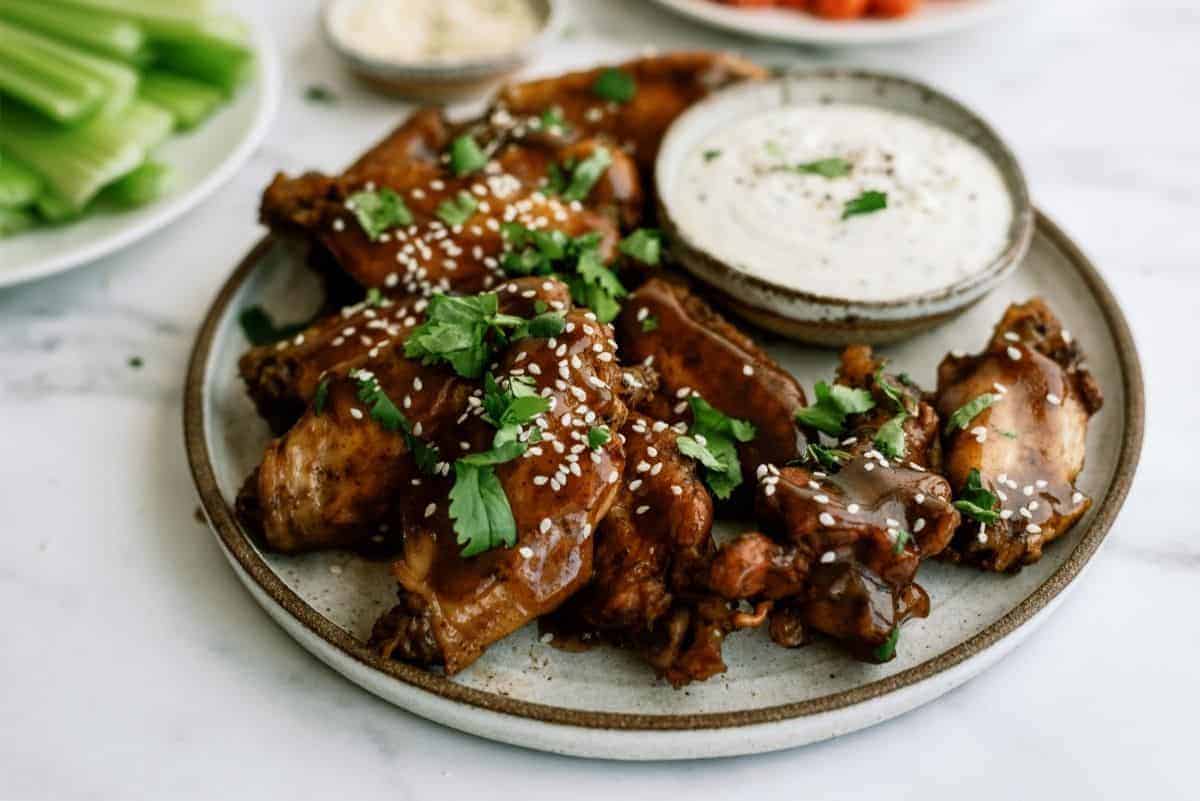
point(132, 664)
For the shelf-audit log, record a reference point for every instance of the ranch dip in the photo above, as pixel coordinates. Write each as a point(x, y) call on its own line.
point(847, 201)
point(407, 31)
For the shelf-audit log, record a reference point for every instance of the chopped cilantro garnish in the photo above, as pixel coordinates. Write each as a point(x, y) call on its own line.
point(320, 94)
point(827, 168)
point(260, 329)
point(596, 286)
point(456, 331)
point(577, 260)
point(887, 649)
point(963, 416)
point(583, 175)
point(321, 397)
point(598, 437)
point(136, 362)
point(510, 407)
point(466, 156)
point(710, 155)
point(902, 538)
point(457, 210)
point(713, 442)
point(543, 326)
point(865, 203)
point(483, 518)
point(649, 323)
point(552, 121)
point(379, 211)
point(976, 501)
point(828, 458)
point(390, 418)
point(774, 149)
point(374, 297)
point(890, 436)
point(615, 85)
point(834, 404)
point(644, 244)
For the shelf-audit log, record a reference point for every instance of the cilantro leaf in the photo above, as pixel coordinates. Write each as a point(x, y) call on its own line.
point(826, 168)
point(390, 418)
point(710, 155)
point(466, 156)
point(576, 259)
point(713, 443)
point(543, 326)
point(902, 538)
point(321, 397)
point(552, 121)
point(596, 286)
point(644, 244)
point(320, 94)
point(649, 323)
point(865, 203)
point(260, 329)
point(890, 437)
point(615, 85)
point(456, 330)
point(963, 416)
point(887, 649)
point(976, 501)
point(483, 518)
point(598, 437)
point(828, 458)
point(508, 408)
point(379, 211)
point(834, 404)
point(586, 173)
point(457, 210)
point(374, 297)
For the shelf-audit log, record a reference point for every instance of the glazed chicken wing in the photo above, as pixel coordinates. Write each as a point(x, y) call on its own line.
point(452, 608)
point(696, 351)
point(842, 546)
point(1028, 445)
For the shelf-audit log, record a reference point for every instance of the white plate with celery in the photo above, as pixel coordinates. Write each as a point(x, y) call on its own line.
point(117, 117)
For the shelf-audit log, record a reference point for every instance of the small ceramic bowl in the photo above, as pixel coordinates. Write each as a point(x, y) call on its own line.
point(819, 319)
point(442, 81)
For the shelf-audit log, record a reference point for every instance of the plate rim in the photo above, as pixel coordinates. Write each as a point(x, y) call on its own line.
point(835, 33)
point(268, 77)
point(238, 546)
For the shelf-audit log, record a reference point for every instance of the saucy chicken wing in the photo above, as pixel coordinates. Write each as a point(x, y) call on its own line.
point(1026, 441)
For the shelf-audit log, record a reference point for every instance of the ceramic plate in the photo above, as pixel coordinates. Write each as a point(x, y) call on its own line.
point(935, 18)
point(605, 702)
point(201, 160)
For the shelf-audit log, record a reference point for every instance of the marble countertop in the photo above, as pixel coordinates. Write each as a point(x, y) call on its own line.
point(133, 664)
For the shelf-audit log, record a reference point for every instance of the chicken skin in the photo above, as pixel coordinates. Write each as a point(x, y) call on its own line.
point(452, 608)
point(696, 351)
point(843, 543)
point(1028, 446)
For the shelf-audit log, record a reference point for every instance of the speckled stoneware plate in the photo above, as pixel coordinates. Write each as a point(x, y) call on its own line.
point(935, 18)
point(604, 702)
point(824, 319)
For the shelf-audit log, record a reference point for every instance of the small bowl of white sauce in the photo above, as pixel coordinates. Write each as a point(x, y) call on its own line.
point(842, 206)
point(437, 50)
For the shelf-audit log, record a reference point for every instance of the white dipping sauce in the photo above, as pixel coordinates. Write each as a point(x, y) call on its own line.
point(947, 217)
point(434, 30)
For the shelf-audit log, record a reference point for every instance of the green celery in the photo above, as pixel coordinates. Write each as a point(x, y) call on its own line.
point(120, 80)
point(189, 101)
point(14, 221)
point(54, 209)
point(93, 29)
point(78, 162)
point(222, 64)
point(19, 185)
point(52, 88)
point(145, 184)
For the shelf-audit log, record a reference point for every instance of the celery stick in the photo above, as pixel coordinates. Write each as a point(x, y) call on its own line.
point(97, 30)
point(78, 162)
point(145, 184)
point(14, 221)
point(223, 65)
point(188, 100)
point(54, 209)
point(52, 88)
point(119, 79)
point(19, 185)
point(146, 10)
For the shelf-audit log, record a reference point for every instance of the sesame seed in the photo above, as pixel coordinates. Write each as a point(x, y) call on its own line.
point(613, 476)
point(356, 414)
point(676, 489)
point(1053, 399)
point(747, 370)
point(430, 509)
point(1033, 528)
point(1041, 483)
point(544, 526)
point(919, 497)
point(641, 510)
point(769, 490)
point(919, 525)
point(654, 471)
point(826, 519)
point(853, 508)
point(1077, 498)
point(869, 466)
point(828, 557)
point(1011, 337)
point(1013, 353)
point(982, 535)
point(525, 551)
point(821, 498)
point(1027, 490)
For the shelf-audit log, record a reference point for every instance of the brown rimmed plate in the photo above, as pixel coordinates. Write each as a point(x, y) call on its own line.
point(604, 702)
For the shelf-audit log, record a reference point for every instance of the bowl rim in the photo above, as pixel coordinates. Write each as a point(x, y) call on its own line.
point(241, 550)
point(448, 69)
point(712, 270)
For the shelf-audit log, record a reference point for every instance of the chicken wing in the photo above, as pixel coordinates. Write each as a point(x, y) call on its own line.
point(451, 608)
point(1028, 446)
point(696, 351)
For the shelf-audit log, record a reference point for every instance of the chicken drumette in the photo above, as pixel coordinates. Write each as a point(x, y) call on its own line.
point(1032, 399)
